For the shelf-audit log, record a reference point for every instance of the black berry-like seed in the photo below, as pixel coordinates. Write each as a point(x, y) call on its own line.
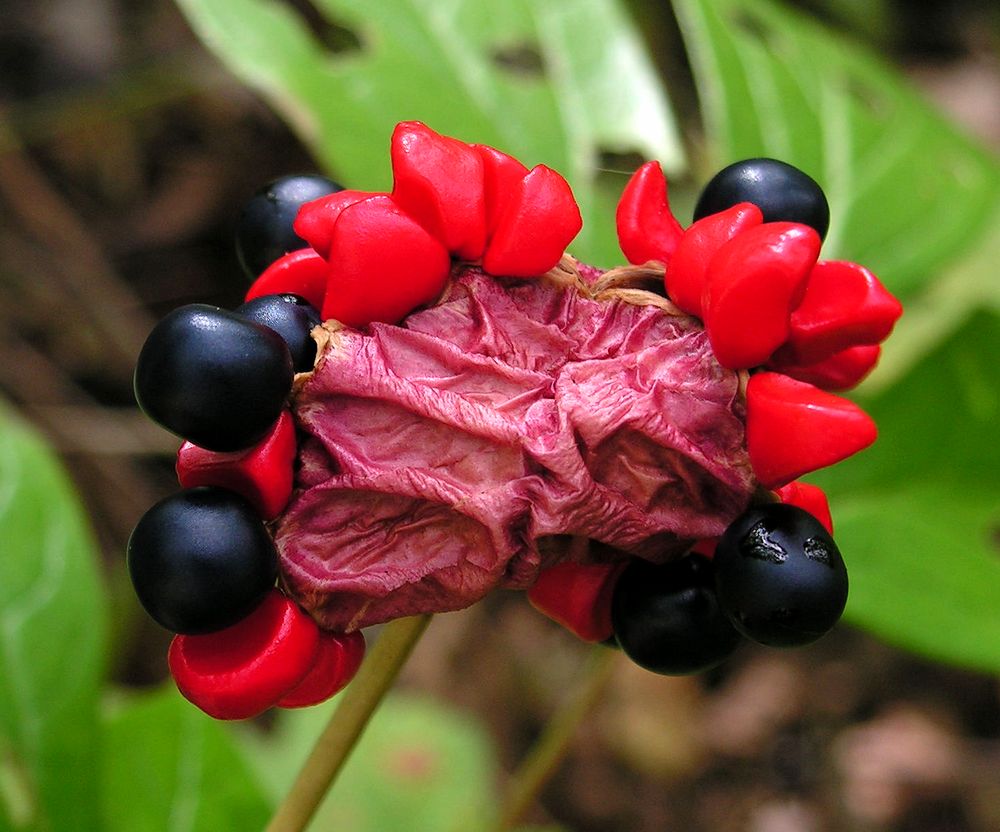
point(213, 377)
point(780, 576)
point(667, 619)
point(292, 318)
point(201, 560)
point(780, 190)
point(264, 227)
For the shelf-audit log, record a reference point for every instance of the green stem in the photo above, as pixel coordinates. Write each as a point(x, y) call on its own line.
point(544, 758)
point(357, 704)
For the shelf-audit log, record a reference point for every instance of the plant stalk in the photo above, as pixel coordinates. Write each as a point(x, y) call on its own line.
point(550, 750)
point(357, 704)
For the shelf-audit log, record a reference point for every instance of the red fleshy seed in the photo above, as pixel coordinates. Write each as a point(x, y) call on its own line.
point(316, 219)
point(706, 547)
point(240, 672)
point(337, 661)
point(751, 286)
point(578, 596)
point(685, 276)
point(383, 265)
point(841, 371)
point(301, 272)
point(502, 175)
point(534, 229)
point(793, 428)
point(844, 306)
point(262, 474)
point(809, 497)
point(647, 229)
point(439, 182)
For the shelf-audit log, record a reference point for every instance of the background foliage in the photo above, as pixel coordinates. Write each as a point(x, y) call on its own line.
point(585, 87)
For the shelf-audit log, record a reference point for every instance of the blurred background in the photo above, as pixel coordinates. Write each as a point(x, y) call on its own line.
point(126, 150)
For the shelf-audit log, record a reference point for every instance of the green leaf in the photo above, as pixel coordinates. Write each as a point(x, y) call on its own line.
point(168, 766)
point(554, 83)
point(418, 766)
point(968, 285)
point(918, 514)
point(53, 625)
point(907, 190)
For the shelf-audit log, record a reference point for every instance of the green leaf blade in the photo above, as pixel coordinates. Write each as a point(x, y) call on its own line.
point(167, 766)
point(53, 628)
point(925, 569)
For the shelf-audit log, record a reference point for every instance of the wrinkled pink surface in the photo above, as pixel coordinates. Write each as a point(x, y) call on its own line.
point(435, 455)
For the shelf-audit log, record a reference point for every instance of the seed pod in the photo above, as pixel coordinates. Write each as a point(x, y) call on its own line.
point(535, 226)
point(338, 657)
point(301, 272)
point(578, 596)
point(439, 182)
point(502, 175)
point(242, 671)
point(685, 276)
point(751, 286)
point(383, 264)
point(647, 228)
point(844, 306)
point(261, 474)
point(794, 428)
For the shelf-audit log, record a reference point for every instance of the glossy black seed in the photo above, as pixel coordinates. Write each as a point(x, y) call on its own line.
point(292, 318)
point(780, 576)
point(667, 619)
point(213, 377)
point(201, 560)
point(264, 227)
point(781, 191)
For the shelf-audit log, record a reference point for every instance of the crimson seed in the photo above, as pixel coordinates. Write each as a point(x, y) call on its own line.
point(779, 575)
point(264, 228)
point(667, 618)
point(781, 191)
point(201, 560)
point(213, 377)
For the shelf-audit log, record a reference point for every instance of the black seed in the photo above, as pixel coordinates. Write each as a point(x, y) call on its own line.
point(667, 619)
point(781, 191)
point(781, 601)
point(292, 318)
point(264, 228)
point(213, 377)
point(756, 543)
point(201, 560)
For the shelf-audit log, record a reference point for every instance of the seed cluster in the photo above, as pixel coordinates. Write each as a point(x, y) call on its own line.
point(203, 562)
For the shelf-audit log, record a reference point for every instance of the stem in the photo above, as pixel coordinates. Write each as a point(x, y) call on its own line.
point(357, 704)
point(549, 751)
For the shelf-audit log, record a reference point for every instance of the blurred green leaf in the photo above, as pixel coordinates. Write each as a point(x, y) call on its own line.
point(918, 514)
point(907, 190)
point(168, 766)
point(970, 284)
point(418, 767)
point(53, 625)
point(555, 83)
